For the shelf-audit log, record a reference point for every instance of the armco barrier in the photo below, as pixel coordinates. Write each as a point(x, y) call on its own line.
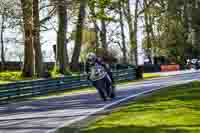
point(44, 86)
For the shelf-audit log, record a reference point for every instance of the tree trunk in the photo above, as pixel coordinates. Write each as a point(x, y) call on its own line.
point(103, 35)
point(96, 35)
point(61, 49)
point(124, 50)
point(132, 34)
point(195, 30)
point(147, 28)
point(28, 69)
point(2, 43)
point(154, 40)
point(36, 39)
point(188, 12)
point(66, 41)
point(94, 21)
point(79, 32)
point(103, 31)
point(136, 31)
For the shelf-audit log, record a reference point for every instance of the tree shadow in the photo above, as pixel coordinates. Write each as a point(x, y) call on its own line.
point(144, 129)
point(188, 94)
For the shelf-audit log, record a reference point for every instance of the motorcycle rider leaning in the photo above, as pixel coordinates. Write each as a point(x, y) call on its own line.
point(99, 73)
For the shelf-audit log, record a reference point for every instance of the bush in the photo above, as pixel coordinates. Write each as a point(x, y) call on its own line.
point(56, 73)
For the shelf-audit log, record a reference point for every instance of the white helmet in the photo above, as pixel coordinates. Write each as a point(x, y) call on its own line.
point(91, 57)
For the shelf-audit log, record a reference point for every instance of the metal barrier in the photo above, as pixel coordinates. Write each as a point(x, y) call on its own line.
point(44, 86)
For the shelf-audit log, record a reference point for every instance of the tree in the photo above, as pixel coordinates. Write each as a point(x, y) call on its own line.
point(36, 39)
point(93, 18)
point(28, 68)
point(61, 49)
point(124, 50)
point(102, 15)
point(9, 20)
point(172, 29)
point(78, 40)
point(148, 29)
point(132, 29)
point(103, 34)
point(2, 28)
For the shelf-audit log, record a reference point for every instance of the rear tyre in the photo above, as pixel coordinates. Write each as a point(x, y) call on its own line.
point(102, 94)
point(112, 93)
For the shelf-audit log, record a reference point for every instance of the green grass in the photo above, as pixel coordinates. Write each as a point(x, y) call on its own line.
point(150, 75)
point(13, 76)
point(173, 110)
point(4, 82)
point(8, 76)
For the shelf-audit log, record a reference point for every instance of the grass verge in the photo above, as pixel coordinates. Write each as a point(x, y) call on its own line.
point(8, 77)
point(172, 110)
point(150, 75)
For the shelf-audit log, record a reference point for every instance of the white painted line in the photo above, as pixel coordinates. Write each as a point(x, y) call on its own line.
point(118, 102)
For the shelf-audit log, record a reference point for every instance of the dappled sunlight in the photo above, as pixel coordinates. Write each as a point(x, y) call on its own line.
point(173, 110)
point(147, 129)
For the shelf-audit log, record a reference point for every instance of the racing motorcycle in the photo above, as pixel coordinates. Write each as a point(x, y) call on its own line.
point(102, 81)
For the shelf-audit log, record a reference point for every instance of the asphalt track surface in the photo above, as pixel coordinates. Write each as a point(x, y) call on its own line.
point(45, 116)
